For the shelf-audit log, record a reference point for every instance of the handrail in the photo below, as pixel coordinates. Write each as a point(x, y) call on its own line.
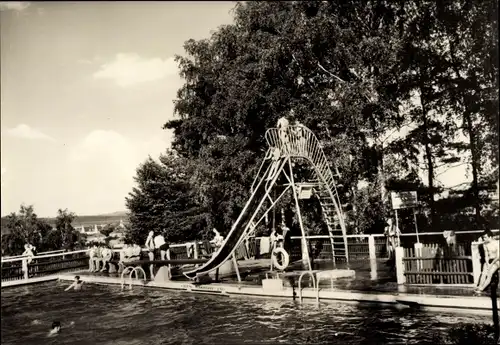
point(179, 245)
point(40, 253)
point(125, 271)
point(44, 256)
point(382, 235)
point(135, 270)
point(266, 157)
point(311, 273)
point(63, 253)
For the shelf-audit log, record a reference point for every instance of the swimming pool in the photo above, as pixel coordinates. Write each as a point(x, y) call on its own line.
point(101, 314)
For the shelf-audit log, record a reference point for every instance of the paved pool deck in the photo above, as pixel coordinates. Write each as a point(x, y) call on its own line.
point(373, 283)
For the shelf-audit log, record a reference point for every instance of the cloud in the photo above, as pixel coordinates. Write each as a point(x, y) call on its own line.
point(26, 132)
point(111, 149)
point(131, 69)
point(84, 61)
point(103, 164)
point(14, 5)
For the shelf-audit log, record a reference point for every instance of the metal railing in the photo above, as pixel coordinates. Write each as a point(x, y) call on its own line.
point(22, 267)
point(42, 265)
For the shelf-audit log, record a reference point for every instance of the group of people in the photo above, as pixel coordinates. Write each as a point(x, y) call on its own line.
point(291, 135)
point(157, 247)
point(99, 254)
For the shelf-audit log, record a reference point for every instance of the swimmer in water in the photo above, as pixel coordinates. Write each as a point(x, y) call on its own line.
point(56, 328)
point(77, 284)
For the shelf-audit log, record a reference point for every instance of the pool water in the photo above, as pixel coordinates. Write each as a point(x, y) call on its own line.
point(101, 314)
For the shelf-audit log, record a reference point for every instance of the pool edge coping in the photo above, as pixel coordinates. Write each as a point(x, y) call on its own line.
point(481, 304)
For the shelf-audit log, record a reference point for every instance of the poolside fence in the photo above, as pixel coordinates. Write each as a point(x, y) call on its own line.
point(428, 264)
point(432, 264)
point(43, 265)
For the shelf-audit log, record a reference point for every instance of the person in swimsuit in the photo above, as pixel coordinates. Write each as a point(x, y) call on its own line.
point(156, 243)
point(162, 246)
point(55, 329)
point(150, 246)
point(392, 233)
point(135, 252)
point(92, 252)
point(77, 284)
point(123, 256)
point(28, 251)
point(106, 256)
point(218, 239)
point(282, 125)
point(491, 247)
point(97, 258)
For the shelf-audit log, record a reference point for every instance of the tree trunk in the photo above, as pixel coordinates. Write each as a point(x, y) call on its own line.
point(474, 164)
point(428, 156)
point(354, 190)
point(380, 172)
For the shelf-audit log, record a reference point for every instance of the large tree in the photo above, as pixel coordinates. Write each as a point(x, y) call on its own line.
point(351, 71)
point(331, 64)
point(163, 201)
point(470, 31)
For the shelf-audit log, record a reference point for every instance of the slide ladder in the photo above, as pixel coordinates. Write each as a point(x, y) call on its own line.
point(299, 141)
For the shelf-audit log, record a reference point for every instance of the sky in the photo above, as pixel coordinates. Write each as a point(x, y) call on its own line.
point(85, 90)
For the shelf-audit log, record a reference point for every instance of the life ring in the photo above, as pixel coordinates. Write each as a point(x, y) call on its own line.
point(285, 260)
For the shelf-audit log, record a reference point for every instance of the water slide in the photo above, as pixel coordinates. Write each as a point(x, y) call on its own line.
point(236, 234)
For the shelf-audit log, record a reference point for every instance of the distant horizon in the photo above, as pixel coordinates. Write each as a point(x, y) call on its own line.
point(110, 214)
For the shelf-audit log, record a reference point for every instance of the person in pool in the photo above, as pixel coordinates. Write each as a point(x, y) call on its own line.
point(77, 284)
point(56, 328)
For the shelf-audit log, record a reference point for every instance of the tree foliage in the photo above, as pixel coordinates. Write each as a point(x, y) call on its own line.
point(25, 227)
point(387, 87)
point(163, 201)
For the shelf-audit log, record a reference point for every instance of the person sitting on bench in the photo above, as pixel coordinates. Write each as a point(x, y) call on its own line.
point(106, 256)
point(92, 252)
point(99, 258)
point(124, 254)
point(129, 253)
point(491, 247)
point(95, 258)
point(135, 253)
